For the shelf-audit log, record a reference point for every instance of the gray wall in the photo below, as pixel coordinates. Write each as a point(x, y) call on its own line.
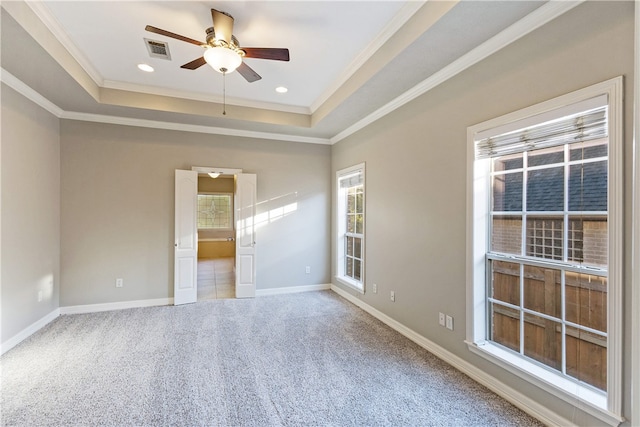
point(415, 224)
point(30, 187)
point(118, 208)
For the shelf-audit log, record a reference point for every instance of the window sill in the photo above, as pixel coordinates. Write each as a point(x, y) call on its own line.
point(347, 281)
point(590, 400)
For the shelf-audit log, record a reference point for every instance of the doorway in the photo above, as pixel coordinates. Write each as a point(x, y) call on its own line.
point(216, 238)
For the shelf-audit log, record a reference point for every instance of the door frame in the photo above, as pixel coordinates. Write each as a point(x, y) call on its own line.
point(224, 171)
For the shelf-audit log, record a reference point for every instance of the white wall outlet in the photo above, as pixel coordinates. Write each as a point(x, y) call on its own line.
point(393, 296)
point(450, 323)
point(375, 288)
point(39, 296)
point(119, 283)
point(307, 269)
point(441, 319)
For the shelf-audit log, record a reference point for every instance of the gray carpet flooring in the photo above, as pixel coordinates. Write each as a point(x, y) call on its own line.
point(307, 359)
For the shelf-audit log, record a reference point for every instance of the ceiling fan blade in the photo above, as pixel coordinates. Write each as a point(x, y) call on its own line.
point(196, 63)
point(173, 35)
point(248, 73)
point(222, 25)
point(267, 53)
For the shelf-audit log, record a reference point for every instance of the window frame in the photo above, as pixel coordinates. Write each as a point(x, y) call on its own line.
point(231, 210)
point(341, 229)
point(606, 406)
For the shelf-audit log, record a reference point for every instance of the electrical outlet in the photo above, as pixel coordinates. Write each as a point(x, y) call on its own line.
point(307, 269)
point(119, 283)
point(450, 323)
point(393, 296)
point(39, 296)
point(375, 288)
point(441, 319)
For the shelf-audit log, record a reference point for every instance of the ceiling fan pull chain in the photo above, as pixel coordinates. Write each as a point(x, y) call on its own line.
point(224, 92)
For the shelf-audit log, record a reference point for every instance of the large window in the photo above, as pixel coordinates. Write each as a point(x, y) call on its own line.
point(350, 226)
point(545, 247)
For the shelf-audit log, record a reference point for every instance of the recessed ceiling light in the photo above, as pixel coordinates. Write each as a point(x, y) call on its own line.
point(281, 89)
point(146, 67)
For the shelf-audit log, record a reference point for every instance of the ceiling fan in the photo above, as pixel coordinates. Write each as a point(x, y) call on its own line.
point(222, 49)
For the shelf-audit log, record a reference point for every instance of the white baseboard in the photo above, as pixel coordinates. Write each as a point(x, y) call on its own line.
point(509, 394)
point(28, 331)
point(292, 289)
point(94, 308)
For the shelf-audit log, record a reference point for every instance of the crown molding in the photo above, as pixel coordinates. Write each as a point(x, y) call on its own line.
point(154, 90)
point(19, 86)
point(26, 91)
point(545, 13)
point(44, 14)
point(398, 21)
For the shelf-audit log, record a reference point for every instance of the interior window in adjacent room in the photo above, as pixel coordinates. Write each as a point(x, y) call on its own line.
point(350, 226)
point(215, 211)
point(545, 253)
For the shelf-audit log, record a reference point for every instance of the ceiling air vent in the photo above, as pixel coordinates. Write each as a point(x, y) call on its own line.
point(157, 49)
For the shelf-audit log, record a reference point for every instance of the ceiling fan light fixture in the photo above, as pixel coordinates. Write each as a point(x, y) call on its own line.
point(222, 59)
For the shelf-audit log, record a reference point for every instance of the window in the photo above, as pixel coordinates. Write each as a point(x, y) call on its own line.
point(544, 254)
point(215, 211)
point(350, 226)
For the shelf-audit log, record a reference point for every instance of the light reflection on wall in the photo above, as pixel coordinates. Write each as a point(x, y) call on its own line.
point(275, 209)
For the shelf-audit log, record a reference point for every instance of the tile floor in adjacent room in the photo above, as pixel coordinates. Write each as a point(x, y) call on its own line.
point(216, 278)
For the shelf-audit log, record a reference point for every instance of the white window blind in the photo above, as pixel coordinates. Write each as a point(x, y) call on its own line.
point(351, 180)
point(585, 126)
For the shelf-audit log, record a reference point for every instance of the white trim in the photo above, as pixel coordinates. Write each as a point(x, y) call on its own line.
point(87, 117)
point(511, 395)
point(109, 306)
point(292, 289)
point(183, 94)
point(26, 91)
point(29, 330)
point(406, 12)
point(53, 25)
point(556, 384)
point(477, 234)
point(19, 86)
point(548, 12)
point(635, 227)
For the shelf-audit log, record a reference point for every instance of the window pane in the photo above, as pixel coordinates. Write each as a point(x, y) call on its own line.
point(595, 240)
point(506, 234)
point(545, 237)
point(214, 211)
point(588, 150)
point(505, 326)
point(351, 224)
point(575, 240)
point(543, 340)
point(545, 189)
point(588, 187)
point(357, 247)
point(542, 288)
point(586, 300)
point(349, 246)
point(587, 357)
point(505, 282)
point(359, 201)
point(546, 156)
point(356, 270)
point(349, 266)
point(507, 192)
point(506, 163)
point(351, 202)
point(359, 219)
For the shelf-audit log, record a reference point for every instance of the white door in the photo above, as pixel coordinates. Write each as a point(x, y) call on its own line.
point(245, 212)
point(185, 282)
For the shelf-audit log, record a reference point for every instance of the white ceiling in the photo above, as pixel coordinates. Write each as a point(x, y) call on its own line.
point(348, 58)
